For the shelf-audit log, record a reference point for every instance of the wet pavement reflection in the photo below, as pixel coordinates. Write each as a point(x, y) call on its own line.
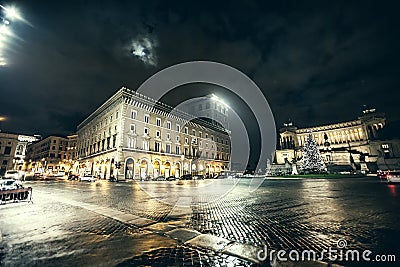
point(282, 214)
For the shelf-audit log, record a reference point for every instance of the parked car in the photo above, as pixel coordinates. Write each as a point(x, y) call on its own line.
point(9, 184)
point(382, 174)
point(112, 179)
point(88, 178)
point(186, 177)
point(14, 174)
point(38, 174)
point(198, 177)
point(159, 178)
point(73, 176)
point(393, 176)
point(171, 178)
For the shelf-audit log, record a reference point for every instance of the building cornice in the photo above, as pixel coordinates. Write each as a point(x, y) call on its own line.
point(328, 127)
point(131, 97)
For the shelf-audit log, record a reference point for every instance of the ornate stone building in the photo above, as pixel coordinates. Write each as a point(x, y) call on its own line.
point(13, 149)
point(351, 145)
point(211, 107)
point(132, 136)
point(49, 155)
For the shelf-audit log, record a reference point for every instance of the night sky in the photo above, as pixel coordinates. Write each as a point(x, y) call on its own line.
point(316, 62)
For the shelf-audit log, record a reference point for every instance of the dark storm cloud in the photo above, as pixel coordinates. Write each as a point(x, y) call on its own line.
point(315, 61)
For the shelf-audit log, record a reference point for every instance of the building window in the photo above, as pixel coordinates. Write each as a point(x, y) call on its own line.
point(169, 125)
point(193, 132)
point(178, 150)
point(207, 105)
point(186, 140)
point(157, 146)
point(146, 118)
point(133, 128)
point(134, 114)
point(168, 148)
point(158, 134)
point(158, 122)
point(116, 115)
point(110, 118)
point(131, 142)
point(186, 130)
point(201, 143)
point(146, 131)
point(206, 136)
point(145, 145)
point(200, 134)
point(178, 128)
point(108, 142)
point(168, 136)
point(7, 150)
point(178, 138)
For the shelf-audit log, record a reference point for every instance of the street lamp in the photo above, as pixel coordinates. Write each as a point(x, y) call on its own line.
point(1, 117)
point(9, 14)
point(182, 166)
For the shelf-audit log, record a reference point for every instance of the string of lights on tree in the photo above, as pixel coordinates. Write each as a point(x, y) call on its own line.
point(312, 161)
point(8, 15)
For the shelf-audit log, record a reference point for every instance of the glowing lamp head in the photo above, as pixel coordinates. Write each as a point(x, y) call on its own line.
point(12, 13)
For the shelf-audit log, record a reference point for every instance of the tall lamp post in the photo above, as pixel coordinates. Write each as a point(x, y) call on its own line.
point(183, 167)
point(294, 163)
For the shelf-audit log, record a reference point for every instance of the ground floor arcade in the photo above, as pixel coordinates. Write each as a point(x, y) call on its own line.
point(139, 165)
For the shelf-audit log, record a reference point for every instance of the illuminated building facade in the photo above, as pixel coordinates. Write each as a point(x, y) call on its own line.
point(13, 149)
point(132, 136)
point(48, 155)
point(352, 145)
point(210, 107)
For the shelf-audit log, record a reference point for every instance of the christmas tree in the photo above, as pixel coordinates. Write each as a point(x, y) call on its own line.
point(312, 161)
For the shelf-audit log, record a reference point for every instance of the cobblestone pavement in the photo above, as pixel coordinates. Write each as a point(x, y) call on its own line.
point(98, 224)
point(185, 256)
point(315, 216)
